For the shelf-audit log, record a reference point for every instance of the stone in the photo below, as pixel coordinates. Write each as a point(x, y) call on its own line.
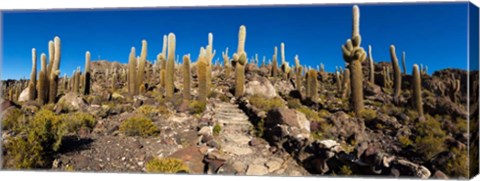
point(24, 95)
point(192, 157)
point(261, 86)
point(70, 102)
point(257, 141)
point(273, 165)
point(294, 119)
point(239, 166)
point(207, 130)
point(440, 175)
point(257, 170)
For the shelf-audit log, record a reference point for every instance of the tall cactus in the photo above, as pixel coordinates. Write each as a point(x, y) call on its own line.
point(274, 63)
point(226, 63)
point(298, 74)
point(54, 72)
point(132, 66)
point(312, 85)
point(346, 84)
point(141, 67)
point(32, 85)
point(354, 54)
point(186, 78)
point(76, 80)
point(210, 53)
point(417, 91)
point(241, 59)
point(87, 75)
point(42, 85)
point(397, 76)
point(404, 65)
point(170, 69)
point(371, 63)
point(202, 76)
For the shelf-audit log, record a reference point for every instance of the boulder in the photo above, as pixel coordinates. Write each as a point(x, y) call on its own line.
point(260, 86)
point(346, 127)
point(24, 95)
point(295, 120)
point(192, 157)
point(71, 102)
point(257, 170)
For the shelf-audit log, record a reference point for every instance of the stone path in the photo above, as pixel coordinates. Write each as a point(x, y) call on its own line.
point(244, 157)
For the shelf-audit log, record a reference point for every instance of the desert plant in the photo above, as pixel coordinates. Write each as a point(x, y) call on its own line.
point(132, 67)
point(87, 75)
point(32, 85)
point(274, 63)
point(197, 107)
point(265, 104)
point(42, 86)
point(312, 86)
point(140, 76)
point(371, 64)
point(170, 67)
point(75, 121)
point(417, 91)
point(202, 76)
point(354, 54)
point(54, 72)
point(217, 129)
point(186, 78)
point(346, 84)
point(226, 63)
point(430, 137)
point(166, 165)
point(139, 125)
point(404, 65)
point(397, 76)
point(298, 75)
point(241, 59)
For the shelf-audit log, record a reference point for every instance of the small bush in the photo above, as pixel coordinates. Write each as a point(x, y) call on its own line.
point(368, 114)
point(405, 141)
point(216, 129)
point(166, 165)
point(147, 110)
point(36, 142)
point(430, 137)
point(345, 170)
point(12, 119)
point(458, 166)
point(139, 126)
point(265, 104)
point(75, 121)
point(294, 103)
point(197, 107)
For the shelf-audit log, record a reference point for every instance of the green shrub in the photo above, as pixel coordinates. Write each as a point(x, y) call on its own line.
point(458, 166)
point(368, 114)
point(216, 129)
point(405, 141)
point(11, 119)
point(166, 165)
point(197, 107)
point(309, 113)
point(294, 103)
point(265, 104)
point(75, 121)
point(36, 142)
point(147, 110)
point(430, 137)
point(345, 170)
point(139, 126)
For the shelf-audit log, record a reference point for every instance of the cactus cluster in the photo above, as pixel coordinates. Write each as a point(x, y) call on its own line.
point(354, 55)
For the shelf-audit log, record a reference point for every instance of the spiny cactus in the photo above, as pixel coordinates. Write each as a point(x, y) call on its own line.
point(404, 63)
point(32, 92)
point(312, 86)
point(226, 63)
point(241, 58)
point(186, 78)
point(141, 67)
point(338, 80)
point(371, 63)
point(454, 88)
point(87, 75)
point(76, 80)
point(397, 76)
point(298, 74)
point(274, 63)
point(42, 85)
point(417, 91)
point(202, 76)
point(387, 82)
point(346, 84)
point(210, 53)
point(354, 54)
point(132, 66)
point(65, 83)
point(114, 81)
point(170, 69)
point(55, 71)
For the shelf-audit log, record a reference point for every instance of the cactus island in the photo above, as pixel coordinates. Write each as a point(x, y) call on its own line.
point(190, 114)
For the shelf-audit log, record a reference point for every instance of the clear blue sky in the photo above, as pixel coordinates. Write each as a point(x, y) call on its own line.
point(431, 34)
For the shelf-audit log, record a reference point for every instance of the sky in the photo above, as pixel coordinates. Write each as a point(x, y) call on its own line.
point(431, 34)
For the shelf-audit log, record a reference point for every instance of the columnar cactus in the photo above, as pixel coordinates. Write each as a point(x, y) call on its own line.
point(397, 76)
point(76, 80)
point(298, 74)
point(241, 59)
point(202, 76)
point(132, 67)
point(354, 54)
point(42, 85)
point(454, 88)
point(371, 63)
point(65, 83)
point(186, 78)
point(55, 71)
point(274, 63)
point(170, 69)
point(141, 67)
point(338, 80)
point(417, 91)
point(210, 53)
point(404, 63)
point(226, 63)
point(32, 85)
point(346, 84)
point(312, 86)
point(87, 75)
